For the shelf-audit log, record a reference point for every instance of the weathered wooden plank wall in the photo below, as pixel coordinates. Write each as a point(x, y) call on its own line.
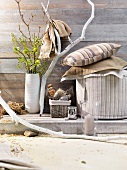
point(109, 25)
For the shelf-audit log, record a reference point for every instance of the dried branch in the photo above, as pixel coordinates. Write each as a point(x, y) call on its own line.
point(39, 30)
point(17, 120)
point(47, 5)
point(22, 32)
point(45, 10)
point(32, 18)
point(23, 20)
point(54, 61)
point(21, 15)
point(89, 20)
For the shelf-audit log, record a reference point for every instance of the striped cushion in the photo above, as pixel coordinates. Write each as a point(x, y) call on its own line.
point(91, 54)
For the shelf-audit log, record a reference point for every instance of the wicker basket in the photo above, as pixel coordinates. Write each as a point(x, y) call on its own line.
point(59, 108)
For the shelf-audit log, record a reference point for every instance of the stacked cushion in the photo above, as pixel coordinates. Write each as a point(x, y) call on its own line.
point(91, 54)
point(112, 63)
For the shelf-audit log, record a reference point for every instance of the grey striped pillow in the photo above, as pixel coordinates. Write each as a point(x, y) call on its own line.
point(91, 54)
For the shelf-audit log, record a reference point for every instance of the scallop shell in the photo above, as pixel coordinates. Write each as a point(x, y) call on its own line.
point(66, 97)
point(59, 93)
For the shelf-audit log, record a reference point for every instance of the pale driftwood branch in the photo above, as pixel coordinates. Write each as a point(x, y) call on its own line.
point(89, 20)
point(17, 120)
point(69, 39)
point(45, 76)
point(54, 61)
point(48, 5)
point(50, 20)
point(45, 10)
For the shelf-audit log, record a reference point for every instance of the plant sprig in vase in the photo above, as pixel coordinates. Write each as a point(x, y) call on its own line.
point(27, 47)
point(28, 53)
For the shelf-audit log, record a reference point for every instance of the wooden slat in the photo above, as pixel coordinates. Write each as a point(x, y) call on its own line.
point(71, 16)
point(31, 5)
point(105, 32)
point(109, 25)
point(7, 52)
point(10, 66)
point(12, 81)
point(13, 89)
point(15, 95)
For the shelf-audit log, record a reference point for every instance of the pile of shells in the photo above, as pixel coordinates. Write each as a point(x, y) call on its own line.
point(59, 94)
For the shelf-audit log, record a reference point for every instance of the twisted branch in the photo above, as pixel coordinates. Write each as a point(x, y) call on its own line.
point(23, 20)
point(27, 24)
point(17, 119)
point(61, 54)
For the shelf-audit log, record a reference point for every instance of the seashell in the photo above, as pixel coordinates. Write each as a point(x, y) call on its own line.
point(59, 93)
point(50, 91)
point(66, 97)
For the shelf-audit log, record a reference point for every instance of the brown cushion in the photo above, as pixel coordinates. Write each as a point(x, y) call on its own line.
point(114, 63)
point(91, 54)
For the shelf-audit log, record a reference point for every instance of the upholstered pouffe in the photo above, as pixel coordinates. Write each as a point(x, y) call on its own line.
point(105, 97)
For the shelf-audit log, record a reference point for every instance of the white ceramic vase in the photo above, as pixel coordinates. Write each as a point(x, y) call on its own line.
point(32, 92)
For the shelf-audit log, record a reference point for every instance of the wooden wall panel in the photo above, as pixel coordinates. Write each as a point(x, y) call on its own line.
point(109, 25)
point(12, 81)
point(12, 86)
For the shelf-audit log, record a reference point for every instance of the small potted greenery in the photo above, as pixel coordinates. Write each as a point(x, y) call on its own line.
point(27, 48)
point(28, 52)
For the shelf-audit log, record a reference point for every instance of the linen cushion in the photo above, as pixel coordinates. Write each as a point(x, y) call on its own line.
point(91, 54)
point(112, 63)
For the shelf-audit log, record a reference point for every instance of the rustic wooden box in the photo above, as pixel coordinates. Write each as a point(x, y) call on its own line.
point(59, 108)
point(105, 97)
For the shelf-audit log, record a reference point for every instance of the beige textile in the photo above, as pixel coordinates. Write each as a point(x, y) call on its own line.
point(63, 29)
point(112, 63)
point(49, 44)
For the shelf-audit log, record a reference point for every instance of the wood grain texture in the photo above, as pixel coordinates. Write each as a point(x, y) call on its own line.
point(109, 25)
point(13, 87)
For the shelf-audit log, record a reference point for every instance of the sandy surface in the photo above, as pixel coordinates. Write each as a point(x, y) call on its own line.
point(70, 154)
